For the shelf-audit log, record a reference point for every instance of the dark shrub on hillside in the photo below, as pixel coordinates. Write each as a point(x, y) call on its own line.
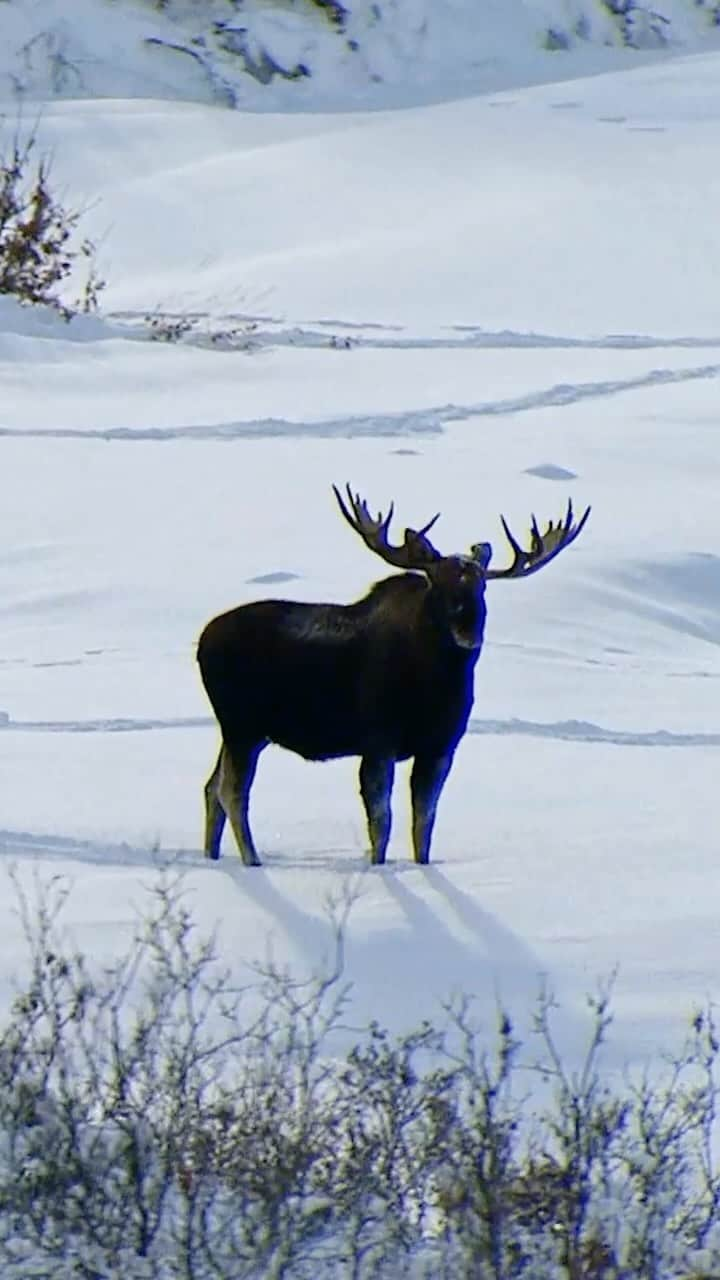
point(40, 247)
point(335, 11)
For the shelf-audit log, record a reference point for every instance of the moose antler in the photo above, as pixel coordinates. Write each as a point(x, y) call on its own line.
point(416, 552)
point(543, 546)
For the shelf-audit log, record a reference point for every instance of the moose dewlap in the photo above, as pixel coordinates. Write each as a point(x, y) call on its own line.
point(387, 678)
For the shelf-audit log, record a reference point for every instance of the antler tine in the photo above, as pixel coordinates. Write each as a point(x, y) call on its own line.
point(517, 549)
point(426, 527)
point(416, 552)
point(361, 519)
point(544, 546)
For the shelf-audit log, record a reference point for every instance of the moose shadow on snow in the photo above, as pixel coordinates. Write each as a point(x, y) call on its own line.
point(444, 945)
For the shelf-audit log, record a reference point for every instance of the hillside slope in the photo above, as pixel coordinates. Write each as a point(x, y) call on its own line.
point(294, 54)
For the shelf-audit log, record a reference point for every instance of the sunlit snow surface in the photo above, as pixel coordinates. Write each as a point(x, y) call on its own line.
point(484, 306)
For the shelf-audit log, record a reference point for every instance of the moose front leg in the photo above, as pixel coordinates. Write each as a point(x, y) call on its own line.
point(426, 782)
point(376, 782)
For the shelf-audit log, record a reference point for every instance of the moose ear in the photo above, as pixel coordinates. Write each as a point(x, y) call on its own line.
point(481, 553)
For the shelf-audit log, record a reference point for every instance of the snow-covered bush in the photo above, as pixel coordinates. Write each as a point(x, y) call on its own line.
point(640, 25)
point(40, 248)
point(712, 8)
point(155, 1121)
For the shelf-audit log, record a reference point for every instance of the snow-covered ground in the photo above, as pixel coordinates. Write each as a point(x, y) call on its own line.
point(481, 306)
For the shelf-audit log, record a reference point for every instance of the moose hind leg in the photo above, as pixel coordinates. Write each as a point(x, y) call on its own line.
point(214, 812)
point(426, 782)
point(376, 782)
point(237, 770)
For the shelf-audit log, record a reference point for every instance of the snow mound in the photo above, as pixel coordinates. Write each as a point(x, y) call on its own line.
point(18, 320)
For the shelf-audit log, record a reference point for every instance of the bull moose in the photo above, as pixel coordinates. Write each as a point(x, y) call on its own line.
point(387, 678)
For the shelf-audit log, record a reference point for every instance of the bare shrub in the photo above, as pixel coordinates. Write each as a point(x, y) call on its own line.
point(39, 243)
point(157, 1121)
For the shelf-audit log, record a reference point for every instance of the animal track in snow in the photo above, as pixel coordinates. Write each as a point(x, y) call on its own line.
point(20, 844)
point(328, 333)
point(583, 731)
point(580, 731)
point(412, 422)
point(111, 724)
point(458, 337)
